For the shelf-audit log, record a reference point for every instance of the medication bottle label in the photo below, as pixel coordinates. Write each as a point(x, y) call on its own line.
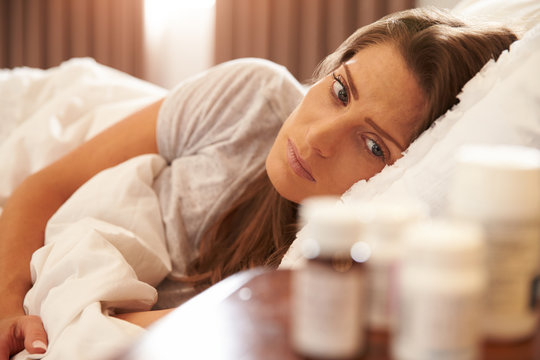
point(513, 261)
point(328, 310)
point(438, 325)
point(379, 292)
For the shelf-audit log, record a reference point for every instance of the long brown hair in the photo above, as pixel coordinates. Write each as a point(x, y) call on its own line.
point(442, 51)
point(256, 230)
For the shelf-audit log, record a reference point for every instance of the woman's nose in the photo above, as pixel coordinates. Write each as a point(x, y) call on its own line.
point(324, 136)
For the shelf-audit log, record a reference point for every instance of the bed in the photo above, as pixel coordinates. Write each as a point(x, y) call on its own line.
point(100, 259)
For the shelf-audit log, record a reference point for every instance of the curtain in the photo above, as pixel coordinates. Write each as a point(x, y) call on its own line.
point(294, 33)
point(43, 33)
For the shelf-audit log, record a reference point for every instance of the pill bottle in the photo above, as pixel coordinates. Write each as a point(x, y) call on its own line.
point(328, 318)
point(441, 287)
point(383, 222)
point(499, 187)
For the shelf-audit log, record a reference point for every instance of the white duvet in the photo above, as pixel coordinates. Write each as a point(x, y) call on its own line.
point(105, 248)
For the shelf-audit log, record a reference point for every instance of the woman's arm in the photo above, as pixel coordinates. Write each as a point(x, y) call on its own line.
point(25, 215)
point(144, 318)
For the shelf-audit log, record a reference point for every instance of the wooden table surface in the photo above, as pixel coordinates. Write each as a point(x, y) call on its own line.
point(247, 317)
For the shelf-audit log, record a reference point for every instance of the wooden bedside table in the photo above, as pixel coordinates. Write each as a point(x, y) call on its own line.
point(246, 316)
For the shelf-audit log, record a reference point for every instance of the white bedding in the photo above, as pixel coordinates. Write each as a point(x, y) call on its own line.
point(105, 247)
point(103, 255)
point(46, 113)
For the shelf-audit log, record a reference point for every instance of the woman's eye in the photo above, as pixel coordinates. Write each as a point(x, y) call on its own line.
point(340, 91)
point(374, 148)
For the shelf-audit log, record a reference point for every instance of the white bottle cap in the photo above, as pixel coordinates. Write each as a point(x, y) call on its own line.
point(314, 203)
point(438, 243)
point(389, 217)
point(496, 183)
point(332, 228)
point(386, 212)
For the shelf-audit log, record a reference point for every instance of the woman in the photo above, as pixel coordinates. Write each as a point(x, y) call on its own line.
point(381, 88)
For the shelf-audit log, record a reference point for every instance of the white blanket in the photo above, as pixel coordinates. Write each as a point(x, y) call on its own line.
point(46, 113)
point(105, 247)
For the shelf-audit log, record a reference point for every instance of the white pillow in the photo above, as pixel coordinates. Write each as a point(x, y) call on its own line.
point(500, 105)
point(525, 13)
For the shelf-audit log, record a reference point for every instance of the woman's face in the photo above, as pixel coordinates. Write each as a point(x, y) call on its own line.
point(349, 126)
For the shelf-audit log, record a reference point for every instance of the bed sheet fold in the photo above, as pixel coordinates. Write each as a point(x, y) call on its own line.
point(100, 258)
point(105, 248)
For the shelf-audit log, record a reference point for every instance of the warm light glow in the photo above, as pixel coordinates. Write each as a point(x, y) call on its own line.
point(153, 8)
point(179, 38)
point(360, 251)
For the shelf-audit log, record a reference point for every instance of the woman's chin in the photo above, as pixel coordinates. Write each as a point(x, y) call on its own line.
point(283, 187)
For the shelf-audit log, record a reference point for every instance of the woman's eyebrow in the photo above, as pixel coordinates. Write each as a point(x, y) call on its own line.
point(384, 133)
point(351, 82)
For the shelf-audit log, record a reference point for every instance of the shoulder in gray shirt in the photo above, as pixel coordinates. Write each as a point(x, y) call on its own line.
point(215, 131)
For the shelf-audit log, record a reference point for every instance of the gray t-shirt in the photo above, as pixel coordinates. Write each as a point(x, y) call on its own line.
point(215, 130)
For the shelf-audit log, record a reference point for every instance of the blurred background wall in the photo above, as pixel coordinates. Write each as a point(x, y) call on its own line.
point(165, 41)
point(43, 33)
point(295, 33)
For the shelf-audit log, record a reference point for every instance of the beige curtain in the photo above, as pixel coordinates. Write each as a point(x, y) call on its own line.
point(294, 33)
point(43, 33)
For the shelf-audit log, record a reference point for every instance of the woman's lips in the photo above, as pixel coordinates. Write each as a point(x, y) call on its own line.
point(297, 164)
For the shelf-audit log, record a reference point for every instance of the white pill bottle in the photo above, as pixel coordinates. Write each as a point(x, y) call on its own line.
point(328, 292)
point(499, 187)
point(441, 288)
point(383, 224)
